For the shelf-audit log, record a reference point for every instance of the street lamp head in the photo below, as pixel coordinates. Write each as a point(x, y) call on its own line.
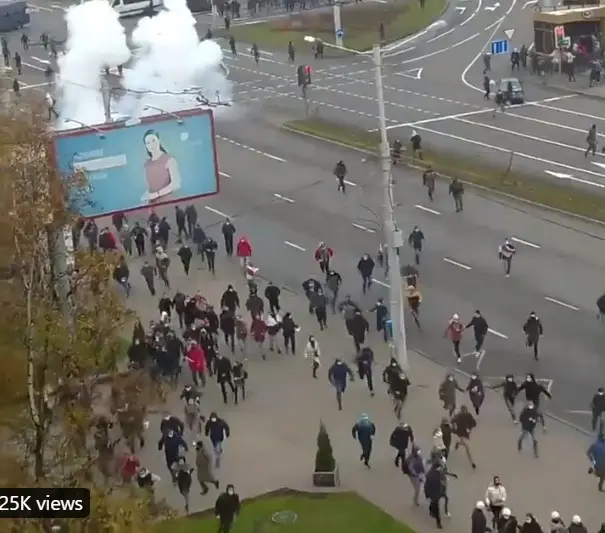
point(310, 38)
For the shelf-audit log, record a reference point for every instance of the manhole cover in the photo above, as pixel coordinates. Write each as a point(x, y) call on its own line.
point(284, 517)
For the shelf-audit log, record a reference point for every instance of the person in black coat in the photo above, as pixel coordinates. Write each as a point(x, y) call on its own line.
point(272, 294)
point(230, 299)
point(478, 519)
point(365, 266)
point(227, 322)
point(226, 508)
point(185, 255)
point(289, 329)
point(217, 431)
point(359, 328)
point(400, 439)
point(433, 490)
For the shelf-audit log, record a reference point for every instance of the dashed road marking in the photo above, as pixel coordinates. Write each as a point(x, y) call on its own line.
point(427, 209)
point(579, 412)
point(350, 183)
point(455, 263)
point(497, 333)
point(295, 246)
point(381, 283)
point(284, 198)
point(363, 228)
point(224, 175)
point(249, 148)
point(35, 67)
point(562, 304)
point(216, 212)
point(526, 243)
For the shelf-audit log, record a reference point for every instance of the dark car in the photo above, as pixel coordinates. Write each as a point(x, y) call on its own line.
point(515, 96)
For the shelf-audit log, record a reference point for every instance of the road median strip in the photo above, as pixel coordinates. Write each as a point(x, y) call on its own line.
point(548, 194)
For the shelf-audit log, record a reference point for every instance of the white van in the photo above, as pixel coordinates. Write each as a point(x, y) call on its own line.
point(128, 8)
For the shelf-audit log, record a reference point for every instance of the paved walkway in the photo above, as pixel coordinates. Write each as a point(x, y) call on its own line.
point(274, 431)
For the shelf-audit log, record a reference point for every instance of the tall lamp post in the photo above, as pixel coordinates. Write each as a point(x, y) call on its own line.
point(393, 236)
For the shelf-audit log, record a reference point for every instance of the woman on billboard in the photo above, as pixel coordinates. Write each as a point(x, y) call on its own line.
point(161, 170)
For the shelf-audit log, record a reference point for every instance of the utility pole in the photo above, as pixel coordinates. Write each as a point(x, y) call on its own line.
point(106, 95)
point(394, 238)
point(337, 24)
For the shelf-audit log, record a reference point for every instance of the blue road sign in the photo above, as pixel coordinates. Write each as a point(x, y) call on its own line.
point(340, 33)
point(499, 47)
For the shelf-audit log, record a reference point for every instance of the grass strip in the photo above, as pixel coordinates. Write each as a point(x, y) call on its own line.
point(546, 192)
point(361, 24)
point(302, 512)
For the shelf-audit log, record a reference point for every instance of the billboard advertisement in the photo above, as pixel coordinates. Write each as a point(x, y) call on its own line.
point(158, 160)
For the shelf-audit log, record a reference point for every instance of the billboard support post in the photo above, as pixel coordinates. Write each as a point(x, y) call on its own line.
point(106, 94)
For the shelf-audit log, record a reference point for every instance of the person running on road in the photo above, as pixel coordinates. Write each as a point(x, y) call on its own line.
point(463, 424)
point(480, 329)
point(506, 252)
point(533, 392)
point(533, 331)
point(454, 332)
point(591, 140)
point(428, 180)
point(340, 171)
point(414, 300)
point(415, 240)
point(255, 53)
point(500, 101)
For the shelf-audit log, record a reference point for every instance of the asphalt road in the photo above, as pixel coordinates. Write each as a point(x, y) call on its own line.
point(289, 203)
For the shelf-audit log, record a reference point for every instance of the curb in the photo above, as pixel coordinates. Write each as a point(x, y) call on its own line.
point(492, 192)
point(564, 90)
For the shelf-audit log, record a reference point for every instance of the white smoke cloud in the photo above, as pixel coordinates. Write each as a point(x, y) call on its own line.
point(95, 39)
point(169, 67)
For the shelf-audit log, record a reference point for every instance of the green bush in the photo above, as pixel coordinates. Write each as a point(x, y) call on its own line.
point(324, 458)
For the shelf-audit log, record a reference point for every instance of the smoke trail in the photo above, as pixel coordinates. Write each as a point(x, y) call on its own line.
point(95, 40)
point(169, 58)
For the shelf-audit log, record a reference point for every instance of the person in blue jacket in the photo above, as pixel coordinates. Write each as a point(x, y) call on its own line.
point(172, 443)
point(596, 455)
point(364, 431)
point(337, 375)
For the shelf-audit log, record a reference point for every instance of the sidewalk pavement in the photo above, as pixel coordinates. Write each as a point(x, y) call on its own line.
point(273, 432)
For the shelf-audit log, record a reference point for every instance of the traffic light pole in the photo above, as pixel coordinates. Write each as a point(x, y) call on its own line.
point(393, 236)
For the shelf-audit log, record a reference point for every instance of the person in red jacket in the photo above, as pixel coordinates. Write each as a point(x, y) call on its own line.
point(258, 330)
point(244, 250)
point(323, 254)
point(454, 331)
point(129, 467)
point(197, 363)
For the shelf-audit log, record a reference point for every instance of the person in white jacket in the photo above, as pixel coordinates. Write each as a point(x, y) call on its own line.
point(495, 498)
point(273, 322)
point(312, 352)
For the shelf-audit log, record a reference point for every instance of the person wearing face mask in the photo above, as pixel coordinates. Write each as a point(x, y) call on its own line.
point(400, 439)
point(227, 508)
point(597, 408)
point(337, 375)
point(495, 498)
point(224, 375)
point(556, 524)
point(414, 468)
point(576, 525)
point(364, 431)
point(530, 525)
point(480, 329)
point(217, 431)
point(399, 392)
point(533, 392)
point(312, 352)
point(365, 267)
point(533, 330)
point(365, 361)
point(509, 392)
point(230, 299)
point(478, 519)
point(390, 373)
point(476, 392)
point(507, 523)
point(596, 456)
point(463, 424)
point(529, 418)
point(172, 423)
point(172, 444)
point(382, 314)
point(415, 240)
point(447, 393)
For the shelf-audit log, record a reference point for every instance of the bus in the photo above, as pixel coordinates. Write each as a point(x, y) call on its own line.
point(129, 8)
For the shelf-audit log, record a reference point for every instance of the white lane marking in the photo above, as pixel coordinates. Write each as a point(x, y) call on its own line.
point(39, 7)
point(246, 147)
point(402, 51)
point(455, 263)
point(562, 304)
point(216, 212)
point(428, 210)
point(497, 333)
point(350, 183)
point(35, 67)
point(382, 283)
point(569, 111)
point(43, 61)
point(495, 23)
point(437, 52)
point(473, 13)
point(480, 360)
point(296, 246)
point(525, 135)
point(469, 113)
point(578, 412)
point(520, 154)
point(602, 165)
point(442, 35)
point(526, 243)
point(363, 228)
point(564, 176)
point(284, 198)
point(34, 86)
point(224, 175)
point(553, 124)
point(229, 55)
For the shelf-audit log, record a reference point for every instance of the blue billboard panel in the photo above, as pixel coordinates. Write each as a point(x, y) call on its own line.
point(157, 161)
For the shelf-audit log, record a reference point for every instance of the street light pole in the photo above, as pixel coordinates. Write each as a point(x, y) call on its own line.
point(394, 238)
